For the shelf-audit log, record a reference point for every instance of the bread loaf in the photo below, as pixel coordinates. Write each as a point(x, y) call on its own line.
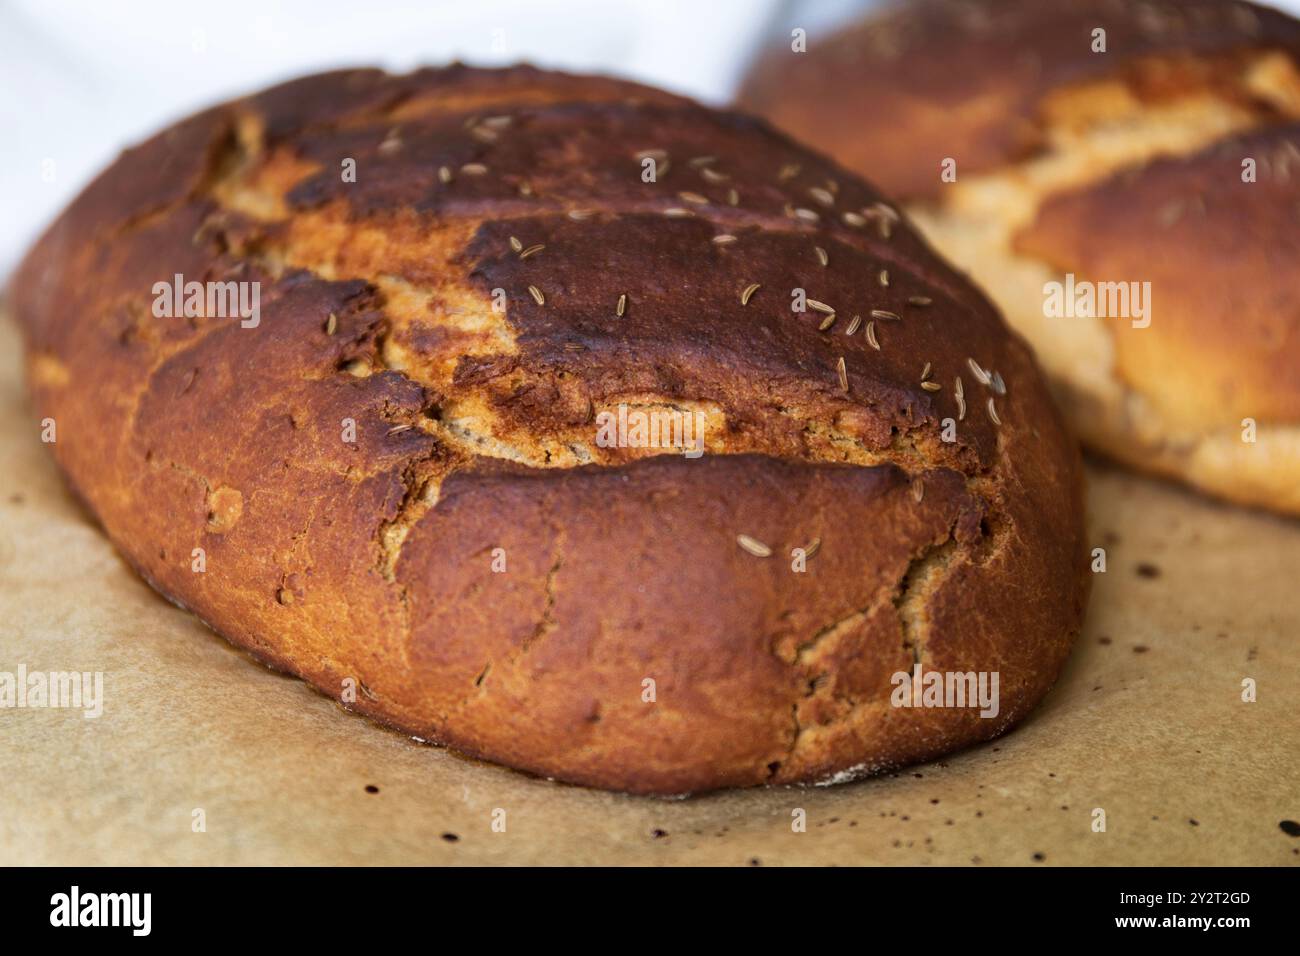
point(391, 482)
point(1141, 155)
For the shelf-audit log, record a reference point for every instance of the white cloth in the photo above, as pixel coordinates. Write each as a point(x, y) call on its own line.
point(83, 80)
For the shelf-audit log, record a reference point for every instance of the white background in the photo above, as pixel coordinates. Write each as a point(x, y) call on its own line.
point(81, 79)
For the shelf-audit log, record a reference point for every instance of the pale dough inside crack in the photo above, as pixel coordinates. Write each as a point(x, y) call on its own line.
point(1093, 132)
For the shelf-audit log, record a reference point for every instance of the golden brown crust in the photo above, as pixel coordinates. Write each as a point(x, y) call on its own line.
point(370, 556)
point(1116, 167)
point(1219, 254)
point(972, 79)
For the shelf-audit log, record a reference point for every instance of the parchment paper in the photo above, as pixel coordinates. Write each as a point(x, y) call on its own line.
point(1147, 724)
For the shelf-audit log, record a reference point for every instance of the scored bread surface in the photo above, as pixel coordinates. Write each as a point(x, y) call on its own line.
point(1113, 167)
point(468, 557)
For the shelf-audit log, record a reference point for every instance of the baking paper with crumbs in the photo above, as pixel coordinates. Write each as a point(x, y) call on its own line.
point(1147, 723)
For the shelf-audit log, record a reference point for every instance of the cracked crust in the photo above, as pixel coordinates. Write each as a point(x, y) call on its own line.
point(366, 558)
point(978, 80)
point(1116, 167)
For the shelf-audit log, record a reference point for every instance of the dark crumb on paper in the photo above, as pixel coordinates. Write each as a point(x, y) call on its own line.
point(1290, 828)
point(451, 837)
point(1039, 857)
point(371, 788)
point(1195, 823)
point(755, 861)
point(1147, 570)
point(658, 834)
point(1140, 648)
